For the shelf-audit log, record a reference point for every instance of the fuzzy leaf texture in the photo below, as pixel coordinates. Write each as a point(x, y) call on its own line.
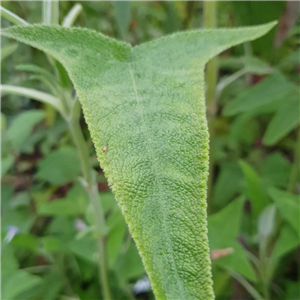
point(145, 109)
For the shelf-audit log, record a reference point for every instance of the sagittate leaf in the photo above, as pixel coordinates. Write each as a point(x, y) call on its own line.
point(145, 110)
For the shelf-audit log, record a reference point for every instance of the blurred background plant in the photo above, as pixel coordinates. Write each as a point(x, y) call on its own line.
point(51, 235)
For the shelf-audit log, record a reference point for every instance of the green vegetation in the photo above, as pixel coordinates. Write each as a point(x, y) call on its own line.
point(58, 230)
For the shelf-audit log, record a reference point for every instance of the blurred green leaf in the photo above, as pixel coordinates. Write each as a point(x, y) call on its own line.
point(254, 189)
point(108, 201)
point(275, 88)
point(22, 127)
point(276, 170)
point(288, 206)
point(223, 231)
point(6, 163)
point(8, 50)
point(62, 207)
point(224, 226)
point(244, 130)
point(3, 122)
point(284, 121)
point(286, 242)
point(85, 248)
point(21, 218)
point(172, 22)
point(229, 183)
point(129, 264)
point(221, 281)
point(238, 261)
point(52, 244)
point(255, 12)
point(292, 290)
point(266, 222)
point(17, 283)
point(36, 69)
point(9, 262)
point(117, 230)
point(21, 199)
point(60, 166)
point(122, 11)
point(48, 289)
point(26, 241)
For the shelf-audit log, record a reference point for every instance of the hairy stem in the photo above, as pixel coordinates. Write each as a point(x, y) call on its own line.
point(92, 189)
point(210, 21)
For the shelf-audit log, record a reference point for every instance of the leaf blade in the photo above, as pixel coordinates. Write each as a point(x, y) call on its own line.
point(151, 140)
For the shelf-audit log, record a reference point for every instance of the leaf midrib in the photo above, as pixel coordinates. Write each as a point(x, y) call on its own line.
point(151, 154)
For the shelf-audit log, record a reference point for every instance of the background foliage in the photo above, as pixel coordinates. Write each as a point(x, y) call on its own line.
point(49, 249)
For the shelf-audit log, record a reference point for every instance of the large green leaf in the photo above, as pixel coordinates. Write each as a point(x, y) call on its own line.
point(145, 110)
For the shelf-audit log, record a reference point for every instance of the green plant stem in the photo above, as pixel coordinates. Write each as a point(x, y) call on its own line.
point(72, 15)
point(51, 12)
point(295, 168)
point(252, 291)
point(10, 16)
point(92, 189)
point(210, 21)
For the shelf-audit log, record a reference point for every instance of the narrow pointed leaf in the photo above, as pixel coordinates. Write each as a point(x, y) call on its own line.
point(33, 94)
point(145, 110)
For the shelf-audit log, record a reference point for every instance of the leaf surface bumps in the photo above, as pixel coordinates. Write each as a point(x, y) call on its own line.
point(145, 108)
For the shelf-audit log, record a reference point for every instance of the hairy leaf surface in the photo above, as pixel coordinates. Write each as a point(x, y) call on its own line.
point(145, 109)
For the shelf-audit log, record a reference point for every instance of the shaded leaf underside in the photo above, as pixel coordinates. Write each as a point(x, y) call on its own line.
point(145, 109)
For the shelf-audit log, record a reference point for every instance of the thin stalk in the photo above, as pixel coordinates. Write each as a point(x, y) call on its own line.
point(92, 189)
point(228, 80)
point(252, 291)
point(10, 16)
point(51, 12)
point(72, 15)
point(210, 21)
point(295, 168)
